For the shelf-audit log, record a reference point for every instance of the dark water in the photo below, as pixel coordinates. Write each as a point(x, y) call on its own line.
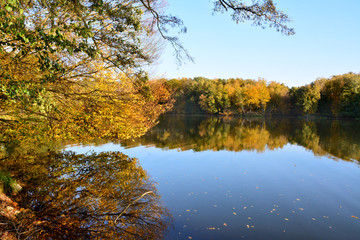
point(232, 178)
point(199, 178)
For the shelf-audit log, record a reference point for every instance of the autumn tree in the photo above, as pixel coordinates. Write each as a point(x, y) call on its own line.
point(256, 95)
point(279, 98)
point(60, 61)
point(75, 67)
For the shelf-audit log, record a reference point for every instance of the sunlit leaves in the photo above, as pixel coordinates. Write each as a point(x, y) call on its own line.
point(71, 69)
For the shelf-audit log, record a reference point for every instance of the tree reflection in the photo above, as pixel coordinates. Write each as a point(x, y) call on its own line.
point(93, 196)
point(338, 139)
point(212, 133)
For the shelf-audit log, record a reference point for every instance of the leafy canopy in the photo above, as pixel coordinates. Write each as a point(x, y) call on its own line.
point(74, 68)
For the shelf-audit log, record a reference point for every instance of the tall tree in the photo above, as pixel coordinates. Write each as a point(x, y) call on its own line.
point(60, 61)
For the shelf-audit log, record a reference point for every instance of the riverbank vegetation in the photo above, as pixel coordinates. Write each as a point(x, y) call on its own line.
point(73, 71)
point(338, 96)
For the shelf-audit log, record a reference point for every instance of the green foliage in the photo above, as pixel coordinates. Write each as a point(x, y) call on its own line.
point(341, 95)
point(307, 97)
point(338, 96)
point(7, 183)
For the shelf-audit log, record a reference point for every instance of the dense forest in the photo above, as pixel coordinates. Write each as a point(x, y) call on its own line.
point(338, 96)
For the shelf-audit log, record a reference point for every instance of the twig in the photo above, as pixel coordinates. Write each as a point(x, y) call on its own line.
point(143, 195)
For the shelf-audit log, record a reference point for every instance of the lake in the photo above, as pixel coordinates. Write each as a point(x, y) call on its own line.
point(234, 178)
point(203, 178)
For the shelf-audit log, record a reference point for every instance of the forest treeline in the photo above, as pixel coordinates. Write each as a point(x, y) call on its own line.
point(338, 96)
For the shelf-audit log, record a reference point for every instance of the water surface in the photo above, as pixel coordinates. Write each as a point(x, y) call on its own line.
point(234, 178)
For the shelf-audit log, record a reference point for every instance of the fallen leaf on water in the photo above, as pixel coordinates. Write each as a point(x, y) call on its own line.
point(286, 219)
point(355, 217)
point(225, 224)
point(247, 226)
point(212, 228)
point(234, 213)
point(188, 210)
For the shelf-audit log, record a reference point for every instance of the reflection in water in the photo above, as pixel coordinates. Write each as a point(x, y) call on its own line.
point(93, 196)
point(268, 193)
point(324, 137)
point(255, 178)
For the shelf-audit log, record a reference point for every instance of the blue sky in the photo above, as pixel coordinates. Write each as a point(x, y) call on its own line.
point(326, 43)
